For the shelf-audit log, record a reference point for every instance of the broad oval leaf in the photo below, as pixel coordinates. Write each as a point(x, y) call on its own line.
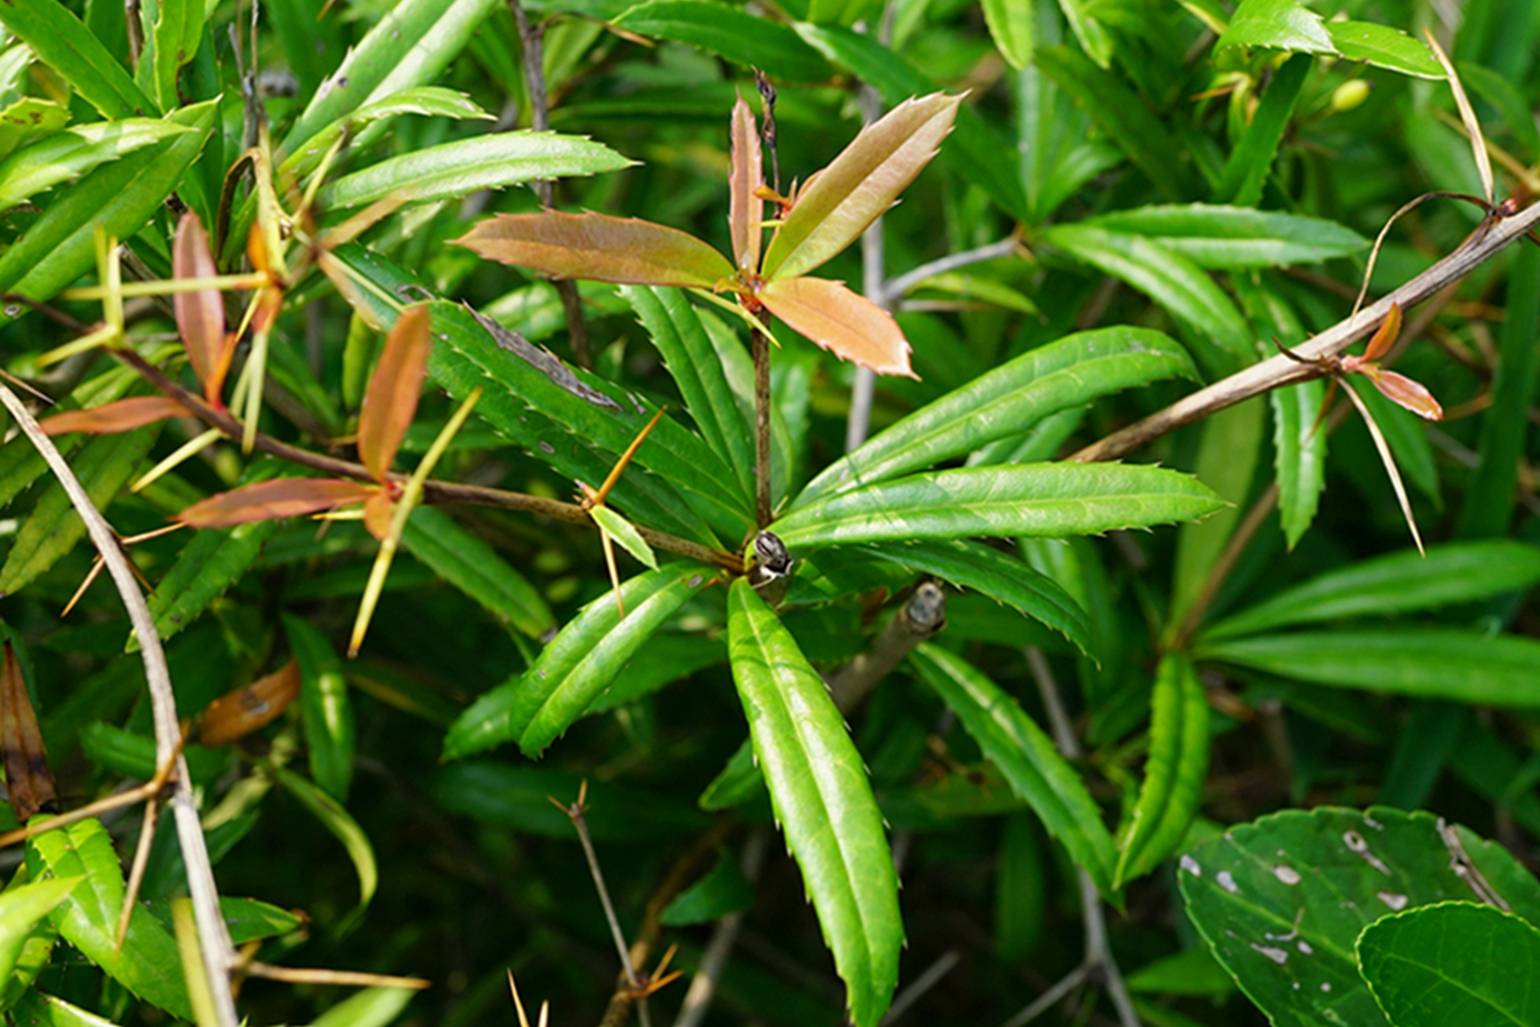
point(1460, 572)
point(845, 323)
point(200, 315)
point(1281, 900)
point(534, 708)
point(1007, 401)
point(731, 32)
point(458, 168)
point(67, 155)
point(1444, 663)
point(599, 247)
point(745, 208)
point(390, 401)
point(1453, 962)
point(1002, 577)
point(822, 800)
point(475, 568)
point(1173, 775)
point(1246, 171)
point(118, 416)
point(1012, 741)
point(837, 204)
point(1384, 47)
point(148, 964)
point(1050, 500)
point(1216, 236)
point(269, 500)
point(1277, 25)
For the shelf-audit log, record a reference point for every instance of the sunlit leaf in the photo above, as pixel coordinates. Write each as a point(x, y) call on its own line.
point(600, 247)
point(65, 156)
point(282, 497)
point(1010, 25)
point(745, 208)
point(111, 418)
point(250, 707)
point(390, 402)
point(1277, 24)
point(859, 185)
point(625, 535)
point(845, 323)
point(200, 315)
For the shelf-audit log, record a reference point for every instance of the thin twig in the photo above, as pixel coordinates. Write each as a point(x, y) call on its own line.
point(928, 979)
point(434, 491)
point(214, 940)
point(921, 616)
point(335, 978)
point(697, 999)
point(1050, 998)
point(532, 53)
point(873, 273)
point(900, 285)
point(1280, 370)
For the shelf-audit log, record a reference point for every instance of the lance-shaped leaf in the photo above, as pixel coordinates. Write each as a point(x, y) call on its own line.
point(1453, 962)
point(745, 209)
point(111, 418)
point(65, 156)
point(268, 500)
point(822, 800)
point(327, 709)
point(1173, 775)
point(250, 707)
point(27, 777)
point(200, 315)
point(1404, 392)
point(845, 323)
point(61, 41)
point(390, 402)
point(1051, 500)
point(205, 568)
point(627, 251)
point(22, 906)
point(1025, 754)
point(861, 183)
point(1007, 401)
point(535, 707)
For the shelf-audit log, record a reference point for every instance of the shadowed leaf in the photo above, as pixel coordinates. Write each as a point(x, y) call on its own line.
point(390, 402)
point(27, 777)
point(845, 323)
point(628, 251)
point(200, 315)
point(266, 500)
point(111, 418)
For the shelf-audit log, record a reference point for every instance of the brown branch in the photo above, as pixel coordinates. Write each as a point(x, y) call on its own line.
point(761, 352)
point(434, 491)
point(1280, 370)
point(921, 616)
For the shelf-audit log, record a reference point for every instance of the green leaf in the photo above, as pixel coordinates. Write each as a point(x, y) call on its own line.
point(1189, 972)
point(204, 570)
point(1441, 663)
point(1219, 337)
point(325, 705)
point(60, 41)
point(1037, 773)
point(103, 466)
point(1000, 576)
point(1454, 962)
point(470, 565)
point(1088, 30)
point(28, 117)
point(36, 1009)
point(730, 32)
point(1214, 236)
point(1281, 900)
point(692, 361)
point(372, 1007)
point(1461, 572)
point(1007, 401)
point(429, 101)
point(1277, 25)
point(380, 66)
point(336, 819)
point(1172, 787)
point(661, 660)
point(172, 42)
point(1121, 115)
point(254, 920)
point(1246, 171)
point(1050, 500)
point(148, 964)
point(537, 706)
point(491, 161)
point(1300, 448)
point(1021, 889)
point(1010, 24)
point(624, 534)
point(518, 797)
point(21, 908)
point(974, 148)
point(67, 155)
point(736, 783)
point(119, 197)
point(722, 891)
point(822, 800)
point(1384, 47)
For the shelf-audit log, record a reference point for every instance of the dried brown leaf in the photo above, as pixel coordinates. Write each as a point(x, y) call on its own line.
point(270, 500)
point(200, 315)
point(598, 247)
point(238, 713)
point(27, 776)
point(390, 401)
point(111, 418)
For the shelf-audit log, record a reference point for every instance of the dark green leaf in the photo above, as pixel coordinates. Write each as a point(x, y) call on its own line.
point(1246, 170)
point(205, 569)
point(470, 565)
point(336, 819)
point(325, 706)
point(1216, 236)
point(730, 32)
point(722, 891)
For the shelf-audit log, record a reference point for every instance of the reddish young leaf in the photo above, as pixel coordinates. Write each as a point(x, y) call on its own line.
point(1385, 335)
point(839, 202)
point(26, 764)
point(390, 401)
point(846, 324)
point(745, 209)
point(270, 500)
point(378, 510)
point(606, 249)
point(250, 708)
point(200, 315)
point(111, 418)
point(1404, 392)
